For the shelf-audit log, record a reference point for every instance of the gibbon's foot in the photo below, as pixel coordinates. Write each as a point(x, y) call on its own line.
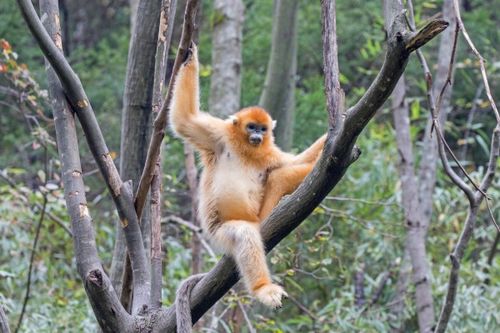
point(270, 295)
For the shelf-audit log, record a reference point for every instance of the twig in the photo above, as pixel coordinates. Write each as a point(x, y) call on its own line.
point(368, 202)
point(470, 118)
point(303, 308)
point(32, 259)
point(456, 5)
point(250, 327)
point(178, 220)
point(493, 249)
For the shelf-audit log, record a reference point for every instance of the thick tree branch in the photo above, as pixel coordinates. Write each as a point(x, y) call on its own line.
point(338, 154)
point(160, 122)
point(87, 260)
point(120, 192)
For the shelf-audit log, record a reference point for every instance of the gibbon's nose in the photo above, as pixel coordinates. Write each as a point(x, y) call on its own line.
point(255, 139)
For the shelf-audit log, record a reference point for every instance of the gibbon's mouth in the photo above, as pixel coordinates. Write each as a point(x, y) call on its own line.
point(255, 141)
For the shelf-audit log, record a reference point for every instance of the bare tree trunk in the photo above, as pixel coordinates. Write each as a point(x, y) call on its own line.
point(225, 85)
point(137, 118)
point(417, 195)
point(279, 88)
point(134, 5)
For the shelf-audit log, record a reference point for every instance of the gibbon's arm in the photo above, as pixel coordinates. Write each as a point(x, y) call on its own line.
point(280, 182)
point(286, 178)
point(311, 154)
point(198, 128)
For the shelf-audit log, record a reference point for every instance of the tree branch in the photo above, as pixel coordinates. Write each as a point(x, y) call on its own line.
point(120, 192)
point(87, 259)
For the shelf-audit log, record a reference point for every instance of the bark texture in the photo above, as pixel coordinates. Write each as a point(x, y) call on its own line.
point(4, 324)
point(136, 122)
point(278, 95)
point(225, 84)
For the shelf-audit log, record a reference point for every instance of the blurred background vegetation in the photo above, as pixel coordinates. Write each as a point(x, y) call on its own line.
point(359, 228)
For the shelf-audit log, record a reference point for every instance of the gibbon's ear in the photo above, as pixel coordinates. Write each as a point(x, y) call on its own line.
point(274, 124)
point(233, 119)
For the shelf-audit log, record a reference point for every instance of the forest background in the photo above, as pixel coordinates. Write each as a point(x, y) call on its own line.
point(348, 267)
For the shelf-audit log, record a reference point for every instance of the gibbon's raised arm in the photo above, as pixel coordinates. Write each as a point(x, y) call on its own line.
point(199, 128)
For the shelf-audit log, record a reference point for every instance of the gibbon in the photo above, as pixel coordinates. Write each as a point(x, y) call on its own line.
point(244, 176)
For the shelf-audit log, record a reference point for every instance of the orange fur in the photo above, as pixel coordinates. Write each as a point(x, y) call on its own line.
point(241, 183)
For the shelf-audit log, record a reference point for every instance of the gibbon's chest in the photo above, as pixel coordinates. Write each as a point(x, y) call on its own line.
point(237, 185)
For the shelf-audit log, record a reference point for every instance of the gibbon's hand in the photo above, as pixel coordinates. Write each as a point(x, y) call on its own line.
point(191, 55)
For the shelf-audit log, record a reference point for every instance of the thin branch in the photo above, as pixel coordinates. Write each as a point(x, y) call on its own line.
point(249, 326)
point(456, 5)
point(176, 219)
point(32, 259)
point(160, 123)
point(167, 15)
point(470, 119)
point(156, 251)
point(493, 249)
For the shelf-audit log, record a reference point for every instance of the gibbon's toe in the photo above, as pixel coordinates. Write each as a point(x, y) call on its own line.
point(270, 295)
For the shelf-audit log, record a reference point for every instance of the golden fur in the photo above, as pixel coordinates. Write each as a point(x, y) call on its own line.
point(241, 183)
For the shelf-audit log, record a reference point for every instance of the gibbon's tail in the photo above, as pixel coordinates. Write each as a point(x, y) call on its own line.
point(183, 304)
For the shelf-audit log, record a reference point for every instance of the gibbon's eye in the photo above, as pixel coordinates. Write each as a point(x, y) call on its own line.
point(251, 127)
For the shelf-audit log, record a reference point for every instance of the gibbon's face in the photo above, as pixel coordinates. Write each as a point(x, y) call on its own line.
point(255, 124)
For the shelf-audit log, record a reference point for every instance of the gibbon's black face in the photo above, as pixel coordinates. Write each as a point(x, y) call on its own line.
point(256, 133)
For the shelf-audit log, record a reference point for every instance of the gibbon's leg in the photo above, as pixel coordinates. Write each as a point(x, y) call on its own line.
point(280, 182)
point(242, 240)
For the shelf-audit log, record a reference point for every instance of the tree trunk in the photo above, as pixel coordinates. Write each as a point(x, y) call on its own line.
point(279, 88)
point(134, 5)
point(417, 195)
point(136, 117)
point(225, 85)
